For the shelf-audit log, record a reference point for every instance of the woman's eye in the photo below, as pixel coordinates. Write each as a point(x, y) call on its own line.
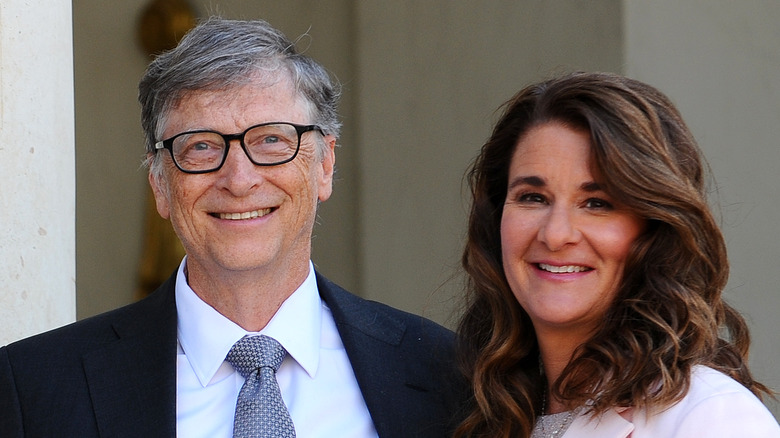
point(531, 198)
point(598, 204)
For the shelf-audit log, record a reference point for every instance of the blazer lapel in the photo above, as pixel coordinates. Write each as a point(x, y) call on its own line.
point(611, 424)
point(132, 381)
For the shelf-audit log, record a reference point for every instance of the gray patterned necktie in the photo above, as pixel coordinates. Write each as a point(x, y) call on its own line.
point(260, 411)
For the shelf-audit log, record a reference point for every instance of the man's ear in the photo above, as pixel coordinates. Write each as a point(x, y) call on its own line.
point(328, 163)
point(160, 190)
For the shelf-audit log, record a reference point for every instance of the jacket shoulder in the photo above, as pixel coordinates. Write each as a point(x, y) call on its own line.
point(157, 309)
point(379, 320)
point(715, 405)
point(64, 382)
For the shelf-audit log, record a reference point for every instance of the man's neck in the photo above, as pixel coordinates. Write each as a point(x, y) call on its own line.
point(248, 298)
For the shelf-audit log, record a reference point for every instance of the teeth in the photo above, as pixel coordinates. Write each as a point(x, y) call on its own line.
point(562, 269)
point(245, 215)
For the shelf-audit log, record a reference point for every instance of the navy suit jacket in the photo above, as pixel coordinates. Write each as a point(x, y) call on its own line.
point(114, 375)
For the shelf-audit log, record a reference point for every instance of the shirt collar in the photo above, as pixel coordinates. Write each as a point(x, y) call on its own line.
point(205, 335)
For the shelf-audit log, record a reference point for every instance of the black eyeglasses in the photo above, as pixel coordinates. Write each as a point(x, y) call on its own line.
point(266, 144)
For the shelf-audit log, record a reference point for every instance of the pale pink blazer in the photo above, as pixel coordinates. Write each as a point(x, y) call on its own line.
point(715, 406)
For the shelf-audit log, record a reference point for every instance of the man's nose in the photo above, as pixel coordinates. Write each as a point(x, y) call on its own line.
point(238, 173)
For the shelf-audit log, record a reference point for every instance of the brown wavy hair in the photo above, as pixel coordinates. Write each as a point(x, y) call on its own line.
point(668, 314)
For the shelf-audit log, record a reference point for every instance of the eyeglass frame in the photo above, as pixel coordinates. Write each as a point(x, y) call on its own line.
point(299, 129)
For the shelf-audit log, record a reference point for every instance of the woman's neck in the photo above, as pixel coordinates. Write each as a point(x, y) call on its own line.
point(555, 350)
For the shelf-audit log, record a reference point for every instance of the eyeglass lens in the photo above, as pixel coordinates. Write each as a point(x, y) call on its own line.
point(265, 144)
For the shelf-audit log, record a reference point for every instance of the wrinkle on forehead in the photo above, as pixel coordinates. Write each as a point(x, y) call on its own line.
point(262, 78)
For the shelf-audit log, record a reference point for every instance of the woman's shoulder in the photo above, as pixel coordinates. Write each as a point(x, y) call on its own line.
point(707, 382)
point(715, 405)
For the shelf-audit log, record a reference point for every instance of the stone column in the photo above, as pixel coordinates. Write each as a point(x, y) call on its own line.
point(37, 168)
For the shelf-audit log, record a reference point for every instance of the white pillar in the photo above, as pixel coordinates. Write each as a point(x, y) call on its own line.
point(37, 168)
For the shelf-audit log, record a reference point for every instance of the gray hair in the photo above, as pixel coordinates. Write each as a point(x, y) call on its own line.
point(219, 54)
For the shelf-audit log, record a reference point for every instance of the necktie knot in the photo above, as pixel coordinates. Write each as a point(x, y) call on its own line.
point(254, 352)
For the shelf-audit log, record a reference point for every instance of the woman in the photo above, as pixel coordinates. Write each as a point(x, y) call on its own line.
point(596, 269)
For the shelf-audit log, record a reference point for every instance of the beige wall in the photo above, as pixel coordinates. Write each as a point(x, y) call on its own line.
point(430, 76)
point(719, 62)
point(109, 147)
point(421, 83)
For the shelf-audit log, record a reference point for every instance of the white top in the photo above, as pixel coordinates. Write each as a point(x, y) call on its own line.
point(715, 406)
point(316, 378)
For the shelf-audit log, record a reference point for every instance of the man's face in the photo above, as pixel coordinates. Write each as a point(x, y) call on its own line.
point(243, 217)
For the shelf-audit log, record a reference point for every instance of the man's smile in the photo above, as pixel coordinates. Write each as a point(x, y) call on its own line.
point(243, 215)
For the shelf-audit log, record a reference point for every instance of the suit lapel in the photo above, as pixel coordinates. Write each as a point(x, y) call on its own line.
point(372, 338)
point(132, 381)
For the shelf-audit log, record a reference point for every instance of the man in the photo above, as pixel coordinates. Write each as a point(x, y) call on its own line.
point(241, 133)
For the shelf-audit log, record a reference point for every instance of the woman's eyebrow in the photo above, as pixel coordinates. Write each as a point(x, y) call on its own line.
point(591, 187)
point(533, 181)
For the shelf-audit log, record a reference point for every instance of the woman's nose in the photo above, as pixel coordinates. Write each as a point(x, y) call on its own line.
point(559, 229)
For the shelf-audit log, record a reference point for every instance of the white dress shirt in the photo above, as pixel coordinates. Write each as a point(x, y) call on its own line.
point(316, 378)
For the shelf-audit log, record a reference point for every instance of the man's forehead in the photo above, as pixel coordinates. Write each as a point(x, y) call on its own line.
point(278, 101)
point(224, 93)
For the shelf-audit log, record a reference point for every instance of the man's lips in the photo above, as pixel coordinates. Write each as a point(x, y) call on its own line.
point(243, 215)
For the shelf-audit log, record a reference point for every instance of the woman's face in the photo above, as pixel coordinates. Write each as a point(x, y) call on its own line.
point(564, 240)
